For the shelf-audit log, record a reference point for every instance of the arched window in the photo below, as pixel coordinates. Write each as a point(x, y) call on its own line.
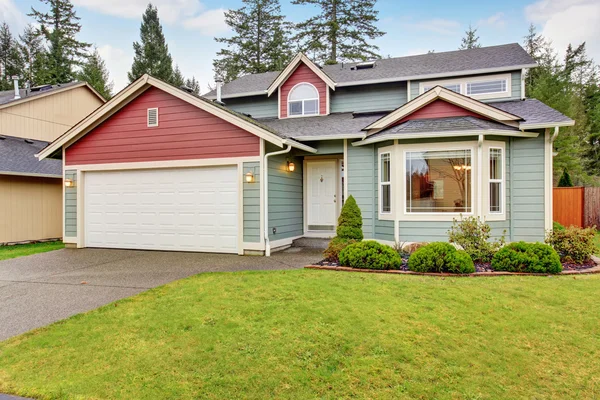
point(303, 100)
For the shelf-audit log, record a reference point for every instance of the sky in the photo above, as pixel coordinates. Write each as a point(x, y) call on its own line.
point(413, 27)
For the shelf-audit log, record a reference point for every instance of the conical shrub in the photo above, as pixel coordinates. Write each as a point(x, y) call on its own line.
point(350, 221)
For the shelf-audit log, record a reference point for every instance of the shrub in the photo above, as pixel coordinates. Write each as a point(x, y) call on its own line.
point(370, 255)
point(527, 257)
point(557, 226)
point(573, 244)
point(441, 257)
point(350, 221)
point(337, 244)
point(473, 235)
point(565, 179)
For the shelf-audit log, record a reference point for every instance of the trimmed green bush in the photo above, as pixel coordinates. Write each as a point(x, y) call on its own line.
point(527, 257)
point(565, 179)
point(473, 235)
point(573, 244)
point(441, 257)
point(337, 244)
point(557, 226)
point(370, 255)
point(350, 221)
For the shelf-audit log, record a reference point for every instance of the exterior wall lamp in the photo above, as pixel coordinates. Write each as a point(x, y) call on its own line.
point(69, 183)
point(249, 177)
point(291, 166)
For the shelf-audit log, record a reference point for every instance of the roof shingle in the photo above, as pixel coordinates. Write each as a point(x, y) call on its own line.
point(18, 157)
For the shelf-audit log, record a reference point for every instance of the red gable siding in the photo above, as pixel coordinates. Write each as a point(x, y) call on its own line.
point(439, 109)
point(303, 74)
point(184, 132)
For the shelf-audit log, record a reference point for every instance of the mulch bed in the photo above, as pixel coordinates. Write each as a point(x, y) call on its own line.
point(481, 269)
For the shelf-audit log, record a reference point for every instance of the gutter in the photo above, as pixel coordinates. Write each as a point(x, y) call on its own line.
point(265, 174)
point(426, 135)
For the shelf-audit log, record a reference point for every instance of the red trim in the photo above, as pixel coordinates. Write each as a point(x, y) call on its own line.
point(303, 74)
point(439, 109)
point(183, 132)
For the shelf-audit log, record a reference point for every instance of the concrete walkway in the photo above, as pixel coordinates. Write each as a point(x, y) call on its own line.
point(43, 288)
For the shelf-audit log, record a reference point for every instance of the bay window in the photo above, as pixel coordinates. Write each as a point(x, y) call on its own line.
point(439, 181)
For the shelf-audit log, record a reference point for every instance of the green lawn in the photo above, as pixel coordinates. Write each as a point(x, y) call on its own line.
point(20, 250)
point(307, 334)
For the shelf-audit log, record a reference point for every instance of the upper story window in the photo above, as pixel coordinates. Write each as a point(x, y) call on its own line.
point(481, 88)
point(303, 100)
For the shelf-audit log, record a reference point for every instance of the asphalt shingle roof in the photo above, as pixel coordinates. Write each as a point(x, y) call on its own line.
point(447, 124)
point(400, 68)
point(8, 96)
point(18, 156)
point(532, 111)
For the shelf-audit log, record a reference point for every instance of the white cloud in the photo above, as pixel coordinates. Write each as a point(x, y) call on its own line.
point(568, 21)
point(437, 25)
point(118, 63)
point(495, 21)
point(10, 14)
point(210, 23)
point(192, 14)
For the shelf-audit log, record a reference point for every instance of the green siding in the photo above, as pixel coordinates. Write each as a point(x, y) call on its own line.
point(285, 197)
point(252, 203)
point(362, 179)
point(515, 78)
point(367, 98)
point(326, 147)
point(256, 106)
point(71, 205)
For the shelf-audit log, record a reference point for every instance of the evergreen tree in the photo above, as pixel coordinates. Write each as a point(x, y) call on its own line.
point(177, 80)
point(95, 73)
point(536, 46)
point(340, 32)
point(470, 40)
point(10, 61)
point(261, 41)
point(193, 84)
point(33, 54)
point(152, 52)
point(565, 179)
point(59, 26)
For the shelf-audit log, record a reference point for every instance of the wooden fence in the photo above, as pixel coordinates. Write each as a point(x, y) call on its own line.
point(577, 206)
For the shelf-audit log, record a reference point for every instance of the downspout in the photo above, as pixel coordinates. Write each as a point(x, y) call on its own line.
point(265, 175)
point(511, 165)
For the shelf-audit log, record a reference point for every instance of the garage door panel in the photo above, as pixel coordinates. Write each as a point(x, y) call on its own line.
point(191, 209)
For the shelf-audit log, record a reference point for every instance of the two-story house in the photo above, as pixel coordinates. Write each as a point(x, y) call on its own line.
point(268, 158)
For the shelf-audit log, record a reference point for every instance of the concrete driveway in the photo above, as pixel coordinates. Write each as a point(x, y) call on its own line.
point(43, 288)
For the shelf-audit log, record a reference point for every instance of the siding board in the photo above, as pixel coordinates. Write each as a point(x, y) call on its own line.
point(251, 203)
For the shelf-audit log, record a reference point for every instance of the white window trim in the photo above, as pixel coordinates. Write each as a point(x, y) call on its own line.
point(463, 85)
point(303, 100)
point(433, 216)
point(385, 214)
point(488, 215)
point(148, 117)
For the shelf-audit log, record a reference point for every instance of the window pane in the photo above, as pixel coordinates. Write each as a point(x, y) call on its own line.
point(295, 107)
point(385, 167)
point(386, 198)
point(311, 107)
point(495, 163)
point(304, 91)
point(455, 87)
point(495, 200)
point(438, 181)
point(483, 87)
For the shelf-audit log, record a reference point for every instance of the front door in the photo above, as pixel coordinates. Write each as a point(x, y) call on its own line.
point(321, 196)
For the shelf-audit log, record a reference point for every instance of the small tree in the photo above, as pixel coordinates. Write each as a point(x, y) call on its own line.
point(470, 40)
point(350, 221)
point(565, 179)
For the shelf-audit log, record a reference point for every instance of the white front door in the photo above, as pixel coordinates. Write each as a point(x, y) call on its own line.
point(321, 195)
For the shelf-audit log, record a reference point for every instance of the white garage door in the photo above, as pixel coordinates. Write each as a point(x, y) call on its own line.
point(187, 209)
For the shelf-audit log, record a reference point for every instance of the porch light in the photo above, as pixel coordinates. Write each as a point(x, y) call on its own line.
point(249, 177)
point(69, 183)
point(291, 166)
point(462, 167)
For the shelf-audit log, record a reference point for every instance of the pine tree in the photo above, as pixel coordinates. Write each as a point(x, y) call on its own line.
point(261, 41)
point(95, 73)
point(193, 84)
point(470, 40)
point(59, 26)
point(536, 46)
point(340, 32)
point(565, 179)
point(10, 60)
point(32, 51)
point(152, 52)
point(177, 80)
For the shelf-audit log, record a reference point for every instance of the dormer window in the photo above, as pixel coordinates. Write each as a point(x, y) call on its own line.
point(303, 100)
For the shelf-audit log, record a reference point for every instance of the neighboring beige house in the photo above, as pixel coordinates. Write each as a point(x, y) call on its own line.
point(31, 190)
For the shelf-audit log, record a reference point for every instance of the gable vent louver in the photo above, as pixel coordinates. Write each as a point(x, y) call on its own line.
point(152, 117)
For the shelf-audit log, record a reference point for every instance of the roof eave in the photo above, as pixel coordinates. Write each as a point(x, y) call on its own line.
point(315, 138)
point(444, 134)
point(30, 174)
point(543, 125)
